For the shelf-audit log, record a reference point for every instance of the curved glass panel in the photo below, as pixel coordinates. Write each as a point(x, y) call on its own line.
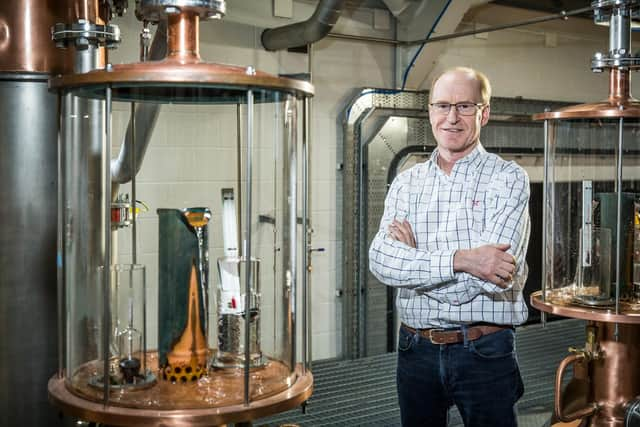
point(173, 320)
point(587, 249)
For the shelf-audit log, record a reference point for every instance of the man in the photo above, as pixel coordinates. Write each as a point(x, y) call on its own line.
point(453, 240)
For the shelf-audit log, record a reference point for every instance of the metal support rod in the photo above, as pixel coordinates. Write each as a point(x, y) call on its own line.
point(292, 197)
point(145, 42)
point(134, 234)
point(307, 189)
point(275, 225)
point(239, 174)
point(144, 321)
point(561, 15)
point(305, 239)
point(545, 222)
point(247, 247)
point(60, 260)
point(619, 215)
point(106, 229)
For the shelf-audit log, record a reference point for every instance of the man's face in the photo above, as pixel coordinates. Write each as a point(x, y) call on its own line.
point(457, 134)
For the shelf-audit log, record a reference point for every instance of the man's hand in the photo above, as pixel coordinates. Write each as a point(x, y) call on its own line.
point(489, 262)
point(402, 232)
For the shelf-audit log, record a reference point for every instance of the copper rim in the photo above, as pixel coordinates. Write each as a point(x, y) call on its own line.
point(603, 110)
point(173, 72)
point(620, 103)
point(584, 313)
point(73, 405)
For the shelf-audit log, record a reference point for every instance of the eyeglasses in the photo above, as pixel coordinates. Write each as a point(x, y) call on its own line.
point(463, 108)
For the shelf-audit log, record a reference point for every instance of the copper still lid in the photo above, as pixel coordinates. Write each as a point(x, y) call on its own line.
point(172, 81)
point(182, 77)
point(619, 104)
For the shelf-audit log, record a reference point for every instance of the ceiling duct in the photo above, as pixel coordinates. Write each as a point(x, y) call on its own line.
point(307, 32)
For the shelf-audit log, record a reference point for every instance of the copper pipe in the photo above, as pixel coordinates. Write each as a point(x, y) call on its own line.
point(89, 10)
point(559, 404)
point(183, 42)
point(619, 92)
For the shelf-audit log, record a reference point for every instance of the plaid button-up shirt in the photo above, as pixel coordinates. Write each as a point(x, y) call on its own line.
point(484, 200)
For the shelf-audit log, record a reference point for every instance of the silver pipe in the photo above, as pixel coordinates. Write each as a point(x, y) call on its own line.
point(620, 31)
point(307, 32)
point(122, 168)
point(292, 196)
point(366, 39)
point(106, 226)
point(247, 247)
point(562, 15)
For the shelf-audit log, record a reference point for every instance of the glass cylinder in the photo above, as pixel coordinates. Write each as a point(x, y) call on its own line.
point(232, 313)
point(242, 138)
point(84, 254)
point(592, 183)
point(593, 270)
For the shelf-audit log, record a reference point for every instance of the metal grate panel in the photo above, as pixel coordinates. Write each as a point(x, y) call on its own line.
point(362, 392)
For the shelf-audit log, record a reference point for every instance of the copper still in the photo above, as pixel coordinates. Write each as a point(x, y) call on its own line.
point(115, 377)
point(591, 246)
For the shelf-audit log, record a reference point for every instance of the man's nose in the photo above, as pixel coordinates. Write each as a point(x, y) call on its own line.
point(453, 115)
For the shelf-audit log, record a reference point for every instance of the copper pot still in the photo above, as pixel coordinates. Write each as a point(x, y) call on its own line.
point(26, 46)
point(604, 389)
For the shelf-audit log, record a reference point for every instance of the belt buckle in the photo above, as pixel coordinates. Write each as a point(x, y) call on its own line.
point(431, 331)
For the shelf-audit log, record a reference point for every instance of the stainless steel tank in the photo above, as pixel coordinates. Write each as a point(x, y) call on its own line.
point(28, 200)
point(28, 203)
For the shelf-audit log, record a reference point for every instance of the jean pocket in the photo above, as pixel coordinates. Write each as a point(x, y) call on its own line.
point(405, 340)
point(498, 345)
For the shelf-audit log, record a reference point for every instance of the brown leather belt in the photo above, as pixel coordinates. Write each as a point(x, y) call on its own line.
point(444, 336)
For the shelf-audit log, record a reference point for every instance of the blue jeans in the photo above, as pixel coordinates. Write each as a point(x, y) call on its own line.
point(480, 377)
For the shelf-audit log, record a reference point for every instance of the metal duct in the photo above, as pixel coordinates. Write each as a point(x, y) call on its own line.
point(307, 32)
point(146, 116)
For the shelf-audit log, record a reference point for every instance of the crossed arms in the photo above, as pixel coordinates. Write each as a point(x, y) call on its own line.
point(492, 263)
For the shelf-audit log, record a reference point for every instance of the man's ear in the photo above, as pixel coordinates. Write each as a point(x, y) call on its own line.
point(486, 112)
